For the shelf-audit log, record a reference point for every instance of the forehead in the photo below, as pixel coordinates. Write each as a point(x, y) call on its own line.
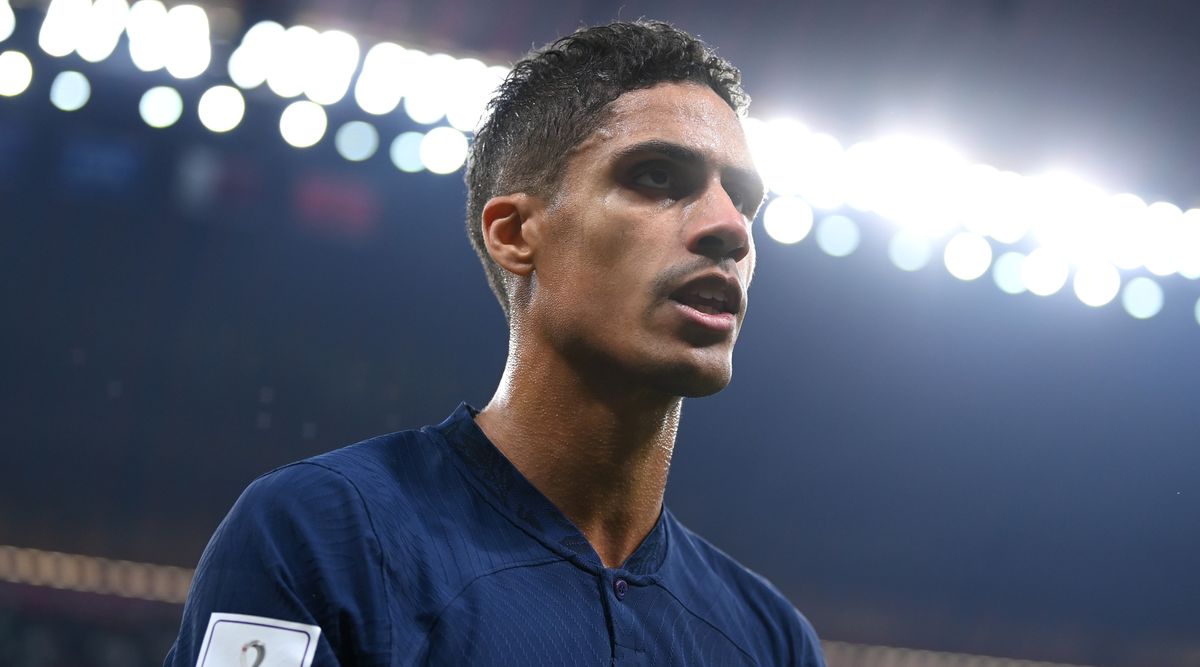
point(687, 114)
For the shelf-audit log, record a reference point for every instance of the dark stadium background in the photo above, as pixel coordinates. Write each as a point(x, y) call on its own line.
point(915, 461)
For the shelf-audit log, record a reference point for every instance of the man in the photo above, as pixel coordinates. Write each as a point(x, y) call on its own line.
point(610, 199)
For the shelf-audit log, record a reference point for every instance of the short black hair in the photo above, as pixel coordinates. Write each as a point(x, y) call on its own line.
point(556, 96)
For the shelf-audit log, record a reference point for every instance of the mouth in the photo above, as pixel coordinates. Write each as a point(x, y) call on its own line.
point(713, 300)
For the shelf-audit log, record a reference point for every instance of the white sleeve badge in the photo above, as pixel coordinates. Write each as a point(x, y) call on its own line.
point(239, 640)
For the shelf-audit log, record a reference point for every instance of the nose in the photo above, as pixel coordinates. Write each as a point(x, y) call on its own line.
point(719, 229)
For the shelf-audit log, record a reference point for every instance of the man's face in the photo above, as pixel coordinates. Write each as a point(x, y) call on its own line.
point(645, 253)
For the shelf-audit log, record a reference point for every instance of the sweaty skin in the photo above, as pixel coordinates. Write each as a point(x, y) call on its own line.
point(600, 355)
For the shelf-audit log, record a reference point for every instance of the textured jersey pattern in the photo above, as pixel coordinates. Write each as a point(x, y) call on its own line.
point(428, 547)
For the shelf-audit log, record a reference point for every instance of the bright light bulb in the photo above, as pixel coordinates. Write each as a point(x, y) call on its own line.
point(776, 151)
point(1097, 283)
point(1122, 222)
point(291, 61)
point(426, 95)
point(8, 20)
point(106, 22)
point(64, 25)
point(1045, 271)
point(250, 62)
point(149, 42)
point(405, 152)
point(1006, 271)
point(379, 86)
point(1142, 298)
point(356, 141)
point(191, 47)
point(473, 86)
point(837, 235)
point(1189, 242)
point(303, 123)
point(161, 106)
point(910, 251)
point(70, 91)
point(1162, 232)
point(334, 60)
point(909, 180)
point(221, 108)
point(787, 219)
point(968, 256)
point(16, 72)
point(443, 150)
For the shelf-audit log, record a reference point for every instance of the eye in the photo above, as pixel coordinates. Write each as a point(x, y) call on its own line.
point(738, 199)
point(657, 177)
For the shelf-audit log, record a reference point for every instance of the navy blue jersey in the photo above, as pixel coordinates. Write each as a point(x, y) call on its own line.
point(428, 547)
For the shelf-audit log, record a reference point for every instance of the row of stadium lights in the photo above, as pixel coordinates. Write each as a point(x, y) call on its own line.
point(88, 574)
point(925, 188)
point(292, 62)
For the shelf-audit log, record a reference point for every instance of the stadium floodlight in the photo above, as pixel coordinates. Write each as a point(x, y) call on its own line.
point(161, 106)
point(427, 91)
point(820, 169)
point(909, 180)
point(1097, 283)
point(405, 152)
point(787, 219)
point(16, 73)
point(380, 83)
point(250, 62)
point(469, 93)
point(356, 141)
point(190, 45)
point(303, 123)
point(1062, 209)
point(334, 59)
point(1162, 234)
point(65, 23)
point(968, 256)
point(774, 153)
point(291, 61)
point(910, 251)
point(1045, 271)
point(106, 23)
point(978, 211)
point(1189, 242)
point(1142, 298)
point(1122, 220)
point(1004, 201)
point(221, 108)
point(8, 20)
point(838, 235)
point(1006, 272)
point(443, 150)
point(70, 91)
point(149, 43)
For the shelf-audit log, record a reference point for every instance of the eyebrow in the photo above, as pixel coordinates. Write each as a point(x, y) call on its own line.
point(742, 176)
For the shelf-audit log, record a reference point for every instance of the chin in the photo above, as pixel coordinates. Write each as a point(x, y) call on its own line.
point(692, 380)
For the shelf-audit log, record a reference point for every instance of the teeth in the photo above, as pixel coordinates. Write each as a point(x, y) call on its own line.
point(711, 294)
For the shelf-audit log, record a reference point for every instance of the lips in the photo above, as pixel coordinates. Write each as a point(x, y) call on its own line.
point(711, 294)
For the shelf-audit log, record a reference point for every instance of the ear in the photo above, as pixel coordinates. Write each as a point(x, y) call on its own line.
point(510, 231)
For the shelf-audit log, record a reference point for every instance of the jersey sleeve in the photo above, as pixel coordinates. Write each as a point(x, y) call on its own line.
point(293, 575)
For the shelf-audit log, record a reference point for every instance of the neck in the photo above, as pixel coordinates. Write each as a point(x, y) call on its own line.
point(599, 451)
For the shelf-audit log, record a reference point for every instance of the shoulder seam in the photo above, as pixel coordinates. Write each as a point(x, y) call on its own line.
point(374, 534)
point(706, 622)
point(510, 566)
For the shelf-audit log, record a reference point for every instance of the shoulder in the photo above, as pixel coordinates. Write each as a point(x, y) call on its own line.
point(348, 479)
point(744, 603)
